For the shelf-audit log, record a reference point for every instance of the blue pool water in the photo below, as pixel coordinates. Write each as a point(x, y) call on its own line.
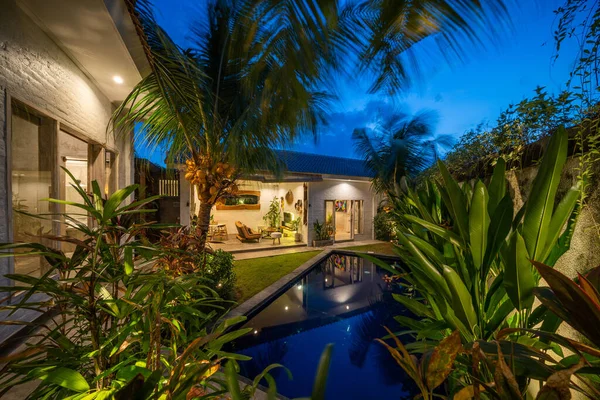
point(345, 301)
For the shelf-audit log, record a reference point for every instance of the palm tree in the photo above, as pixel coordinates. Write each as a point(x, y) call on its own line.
point(249, 84)
point(244, 88)
point(399, 146)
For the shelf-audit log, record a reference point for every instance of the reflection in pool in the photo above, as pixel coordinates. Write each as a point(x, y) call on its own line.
point(344, 300)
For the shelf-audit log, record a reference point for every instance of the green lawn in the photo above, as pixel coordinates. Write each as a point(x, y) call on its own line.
point(380, 248)
point(255, 274)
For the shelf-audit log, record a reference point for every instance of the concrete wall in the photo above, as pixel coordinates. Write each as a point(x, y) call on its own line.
point(331, 189)
point(35, 71)
point(583, 254)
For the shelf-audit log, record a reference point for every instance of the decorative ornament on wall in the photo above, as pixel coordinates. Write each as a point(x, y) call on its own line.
point(298, 206)
point(289, 198)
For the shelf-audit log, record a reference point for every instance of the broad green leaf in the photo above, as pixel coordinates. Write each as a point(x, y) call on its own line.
point(497, 186)
point(414, 306)
point(500, 225)
point(519, 280)
point(233, 384)
point(426, 268)
point(499, 316)
point(429, 250)
point(456, 202)
point(437, 230)
point(479, 222)
point(563, 244)
point(64, 377)
point(115, 201)
point(559, 219)
point(462, 302)
point(319, 386)
point(539, 206)
point(128, 260)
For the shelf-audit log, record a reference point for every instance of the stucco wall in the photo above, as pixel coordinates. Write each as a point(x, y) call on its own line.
point(34, 70)
point(583, 254)
point(318, 192)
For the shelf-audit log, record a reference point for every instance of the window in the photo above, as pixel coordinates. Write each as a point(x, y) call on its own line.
point(243, 200)
point(32, 169)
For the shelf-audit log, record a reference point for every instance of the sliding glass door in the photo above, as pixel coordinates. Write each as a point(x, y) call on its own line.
point(32, 168)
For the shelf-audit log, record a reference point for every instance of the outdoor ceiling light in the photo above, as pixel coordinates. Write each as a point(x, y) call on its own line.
point(118, 80)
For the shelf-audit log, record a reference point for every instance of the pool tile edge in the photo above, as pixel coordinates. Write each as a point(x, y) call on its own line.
point(269, 291)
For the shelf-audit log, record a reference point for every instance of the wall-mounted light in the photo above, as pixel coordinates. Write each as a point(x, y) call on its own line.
point(118, 80)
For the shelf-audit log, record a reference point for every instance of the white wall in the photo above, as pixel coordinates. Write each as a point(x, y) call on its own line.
point(34, 70)
point(330, 189)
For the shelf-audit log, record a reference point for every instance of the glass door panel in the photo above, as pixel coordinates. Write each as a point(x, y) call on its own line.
point(343, 220)
point(358, 216)
point(330, 216)
point(74, 155)
point(32, 166)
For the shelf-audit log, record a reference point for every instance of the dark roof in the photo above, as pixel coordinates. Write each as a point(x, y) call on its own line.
point(326, 165)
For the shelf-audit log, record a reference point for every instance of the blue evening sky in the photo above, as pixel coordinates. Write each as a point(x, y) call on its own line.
point(464, 94)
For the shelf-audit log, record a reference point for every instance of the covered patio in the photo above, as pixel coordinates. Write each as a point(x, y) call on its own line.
point(233, 245)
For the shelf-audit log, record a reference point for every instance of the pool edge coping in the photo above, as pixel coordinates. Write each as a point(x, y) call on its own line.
point(264, 295)
point(273, 289)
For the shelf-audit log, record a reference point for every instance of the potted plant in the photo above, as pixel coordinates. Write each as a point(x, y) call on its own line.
point(323, 234)
point(273, 217)
point(295, 225)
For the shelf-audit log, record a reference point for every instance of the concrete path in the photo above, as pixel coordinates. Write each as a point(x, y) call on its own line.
point(276, 252)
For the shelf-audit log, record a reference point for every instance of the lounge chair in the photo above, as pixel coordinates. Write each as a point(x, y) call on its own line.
point(245, 234)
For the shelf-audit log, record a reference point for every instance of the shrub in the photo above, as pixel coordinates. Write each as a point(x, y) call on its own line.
point(219, 270)
point(385, 227)
point(119, 331)
point(185, 256)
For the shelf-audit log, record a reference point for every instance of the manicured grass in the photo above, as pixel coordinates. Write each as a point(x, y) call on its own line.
point(255, 274)
point(380, 248)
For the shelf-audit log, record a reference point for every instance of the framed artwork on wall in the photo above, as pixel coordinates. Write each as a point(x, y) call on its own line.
point(341, 205)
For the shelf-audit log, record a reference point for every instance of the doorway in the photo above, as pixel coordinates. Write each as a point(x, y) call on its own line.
point(341, 216)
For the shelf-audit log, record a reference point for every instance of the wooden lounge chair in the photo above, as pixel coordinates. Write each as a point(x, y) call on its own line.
point(245, 234)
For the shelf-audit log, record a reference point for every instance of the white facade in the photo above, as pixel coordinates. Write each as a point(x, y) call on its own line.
point(53, 111)
point(352, 190)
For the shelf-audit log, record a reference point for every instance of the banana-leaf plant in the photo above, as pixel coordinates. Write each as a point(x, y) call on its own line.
point(116, 329)
point(467, 251)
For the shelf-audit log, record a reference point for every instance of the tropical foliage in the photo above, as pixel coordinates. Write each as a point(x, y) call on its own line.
point(517, 127)
point(400, 146)
point(121, 324)
point(468, 255)
point(245, 88)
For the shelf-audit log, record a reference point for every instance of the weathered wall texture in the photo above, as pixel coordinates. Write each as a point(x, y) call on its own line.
point(318, 192)
point(585, 245)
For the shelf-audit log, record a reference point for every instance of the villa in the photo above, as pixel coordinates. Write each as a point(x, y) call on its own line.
point(58, 90)
point(313, 188)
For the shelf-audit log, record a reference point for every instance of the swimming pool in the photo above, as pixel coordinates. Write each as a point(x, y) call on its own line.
point(342, 300)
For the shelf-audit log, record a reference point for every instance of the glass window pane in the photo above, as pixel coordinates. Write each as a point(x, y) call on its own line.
point(74, 155)
point(32, 164)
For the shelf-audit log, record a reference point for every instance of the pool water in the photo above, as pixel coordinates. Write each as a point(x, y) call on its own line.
point(344, 300)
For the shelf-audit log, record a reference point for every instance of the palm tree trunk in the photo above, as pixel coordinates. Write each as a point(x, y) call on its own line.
point(203, 222)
